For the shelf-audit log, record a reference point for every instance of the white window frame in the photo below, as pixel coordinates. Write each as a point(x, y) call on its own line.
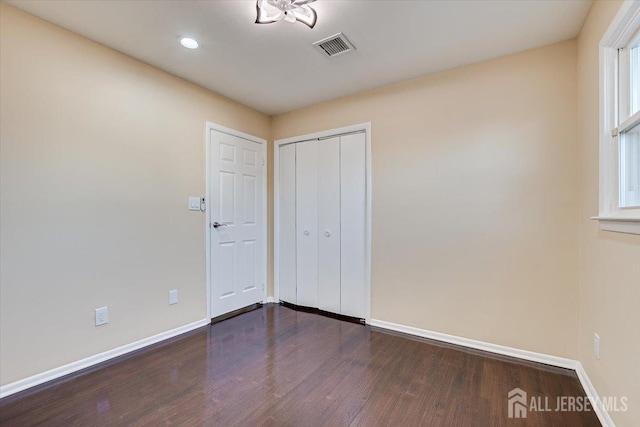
point(621, 32)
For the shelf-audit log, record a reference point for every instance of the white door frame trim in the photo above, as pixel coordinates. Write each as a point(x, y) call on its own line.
point(362, 127)
point(263, 143)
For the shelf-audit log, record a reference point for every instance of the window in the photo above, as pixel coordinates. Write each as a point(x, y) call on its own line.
point(620, 122)
point(630, 168)
point(629, 128)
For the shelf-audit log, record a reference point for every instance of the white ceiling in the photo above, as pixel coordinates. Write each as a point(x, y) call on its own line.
point(273, 68)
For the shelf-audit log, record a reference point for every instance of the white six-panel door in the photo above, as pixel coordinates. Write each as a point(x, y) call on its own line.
point(322, 224)
point(236, 251)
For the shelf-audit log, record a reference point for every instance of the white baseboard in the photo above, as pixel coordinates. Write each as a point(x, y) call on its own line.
point(479, 345)
point(23, 384)
point(271, 300)
point(590, 390)
point(532, 356)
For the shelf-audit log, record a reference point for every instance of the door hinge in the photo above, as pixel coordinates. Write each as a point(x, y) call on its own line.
point(614, 132)
point(263, 161)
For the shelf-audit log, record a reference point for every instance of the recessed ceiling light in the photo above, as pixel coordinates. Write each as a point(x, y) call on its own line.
point(189, 43)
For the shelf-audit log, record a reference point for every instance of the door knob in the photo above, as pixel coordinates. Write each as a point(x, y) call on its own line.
point(217, 224)
point(306, 232)
point(327, 233)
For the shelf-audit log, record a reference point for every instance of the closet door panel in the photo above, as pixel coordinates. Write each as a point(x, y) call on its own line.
point(287, 232)
point(352, 224)
point(307, 223)
point(329, 225)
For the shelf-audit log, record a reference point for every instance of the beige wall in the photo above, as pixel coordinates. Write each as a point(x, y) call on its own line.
point(475, 198)
point(480, 209)
point(99, 153)
point(609, 262)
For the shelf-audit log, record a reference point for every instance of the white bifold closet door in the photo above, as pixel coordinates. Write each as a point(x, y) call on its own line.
point(307, 223)
point(322, 202)
point(329, 225)
point(352, 223)
point(287, 233)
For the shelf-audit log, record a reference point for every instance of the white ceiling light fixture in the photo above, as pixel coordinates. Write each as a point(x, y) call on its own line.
point(270, 11)
point(189, 43)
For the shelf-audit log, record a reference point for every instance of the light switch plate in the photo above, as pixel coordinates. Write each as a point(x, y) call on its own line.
point(173, 297)
point(194, 203)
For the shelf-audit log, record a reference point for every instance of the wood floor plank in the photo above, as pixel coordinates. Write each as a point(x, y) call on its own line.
point(278, 367)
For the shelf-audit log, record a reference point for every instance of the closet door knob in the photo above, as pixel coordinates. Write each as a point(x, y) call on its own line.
point(327, 233)
point(306, 232)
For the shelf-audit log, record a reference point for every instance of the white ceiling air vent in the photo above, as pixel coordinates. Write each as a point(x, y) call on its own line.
point(334, 45)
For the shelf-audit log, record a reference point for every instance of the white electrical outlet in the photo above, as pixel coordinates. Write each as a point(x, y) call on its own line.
point(173, 296)
point(102, 316)
point(596, 346)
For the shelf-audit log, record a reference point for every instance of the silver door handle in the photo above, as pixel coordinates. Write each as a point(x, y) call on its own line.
point(217, 224)
point(327, 233)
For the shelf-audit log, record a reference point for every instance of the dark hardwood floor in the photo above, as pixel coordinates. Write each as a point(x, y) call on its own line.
point(279, 367)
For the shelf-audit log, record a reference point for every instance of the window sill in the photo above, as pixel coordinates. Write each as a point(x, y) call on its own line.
point(619, 225)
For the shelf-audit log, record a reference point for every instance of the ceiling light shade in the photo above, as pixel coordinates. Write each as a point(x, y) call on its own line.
point(270, 11)
point(189, 43)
